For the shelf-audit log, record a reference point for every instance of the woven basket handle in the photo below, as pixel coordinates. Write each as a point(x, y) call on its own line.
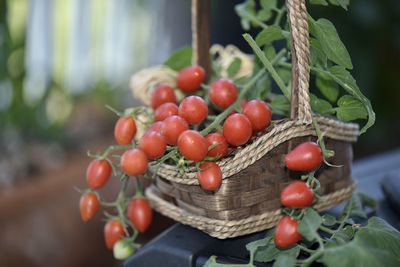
point(300, 102)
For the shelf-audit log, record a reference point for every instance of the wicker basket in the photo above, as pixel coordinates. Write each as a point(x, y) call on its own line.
point(253, 177)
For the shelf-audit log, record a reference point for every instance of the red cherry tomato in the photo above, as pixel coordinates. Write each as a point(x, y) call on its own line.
point(189, 79)
point(210, 176)
point(134, 162)
point(165, 110)
point(113, 231)
point(193, 109)
point(258, 113)
point(305, 157)
point(153, 145)
point(173, 127)
point(140, 213)
point(89, 204)
point(223, 93)
point(192, 145)
point(286, 234)
point(221, 146)
point(125, 130)
point(297, 195)
point(162, 94)
point(156, 126)
point(237, 129)
point(97, 173)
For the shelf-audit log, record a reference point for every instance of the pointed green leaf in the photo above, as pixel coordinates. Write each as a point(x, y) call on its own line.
point(350, 108)
point(309, 224)
point(180, 59)
point(342, 3)
point(268, 4)
point(328, 220)
point(318, 56)
point(268, 35)
point(319, 2)
point(280, 105)
point(320, 106)
point(285, 260)
point(327, 87)
point(234, 67)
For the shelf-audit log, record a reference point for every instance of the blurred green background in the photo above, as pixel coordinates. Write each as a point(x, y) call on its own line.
point(61, 61)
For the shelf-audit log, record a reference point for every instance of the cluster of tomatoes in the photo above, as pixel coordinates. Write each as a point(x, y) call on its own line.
point(175, 129)
point(306, 157)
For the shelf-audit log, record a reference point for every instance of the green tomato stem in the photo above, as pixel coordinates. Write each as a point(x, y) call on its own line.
point(327, 230)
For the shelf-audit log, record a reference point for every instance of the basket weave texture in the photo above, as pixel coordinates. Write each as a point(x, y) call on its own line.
point(253, 177)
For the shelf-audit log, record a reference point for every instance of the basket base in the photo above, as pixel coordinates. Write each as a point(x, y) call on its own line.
point(223, 229)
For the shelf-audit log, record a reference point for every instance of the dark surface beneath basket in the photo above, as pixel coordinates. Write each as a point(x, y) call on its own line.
point(183, 246)
point(256, 189)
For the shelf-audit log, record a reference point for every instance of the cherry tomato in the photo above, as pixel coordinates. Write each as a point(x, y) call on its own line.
point(125, 130)
point(192, 145)
point(297, 195)
point(97, 173)
point(162, 94)
point(140, 213)
point(156, 126)
point(113, 231)
point(134, 162)
point(223, 93)
point(210, 176)
point(193, 109)
point(189, 79)
point(258, 113)
point(153, 144)
point(286, 234)
point(89, 204)
point(122, 249)
point(173, 127)
point(221, 146)
point(305, 157)
point(237, 129)
point(165, 110)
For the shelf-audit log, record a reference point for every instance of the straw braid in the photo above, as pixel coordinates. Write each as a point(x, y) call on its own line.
point(227, 229)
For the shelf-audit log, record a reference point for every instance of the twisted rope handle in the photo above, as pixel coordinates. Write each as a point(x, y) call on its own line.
point(300, 102)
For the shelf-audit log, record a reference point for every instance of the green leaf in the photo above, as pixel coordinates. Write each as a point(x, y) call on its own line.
point(180, 59)
point(264, 14)
point(354, 207)
point(271, 252)
point(320, 106)
point(253, 246)
point(318, 56)
point(280, 105)
point(246, 11)
point(342, 3)
point(334, 49)
point(319, 2)
point(347, 82)
point(367, 201)
point(261, 89)
point(268, 4)
point(269, 51)
point(350, 108)
point(328, 220)
point(234, 67)
point(309, 224)
point(268, 35)
point(285, 261)
point(327, 87)
point(377, 244)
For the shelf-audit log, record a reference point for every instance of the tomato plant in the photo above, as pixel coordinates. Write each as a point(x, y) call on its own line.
point(89, 204)
point(297, 195)
point(125, 130)
point(209, 175)
point(223, 93)
point(172, 127)
point(192, 145)
point(134, 162)
point(162, 94)
point(153, 144)
point(219, 144)
point(305, 157)
point(140, 213)
point(97, 173)
point(113, 231)
point(286, 234)
point(189, 79)
point(258, 113)
point(165, 110)
point(193, 109)
point(237, 129)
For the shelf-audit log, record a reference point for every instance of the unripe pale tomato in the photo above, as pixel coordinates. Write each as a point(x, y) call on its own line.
point(165, 110)
point(189, 79)
point(173, 127)
point(305, 157)
point(98, 173)
point(162, 94)
point(210, 176)
point(237, 129)
point(193, 109)
point(134, 162)
point(140, 213)
point(125, 130)
point(286, 234)
point(223, 93)
point(297, 195)
point(122, 249)
point(192, 145)
point(89, 204)
point(258, 113)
